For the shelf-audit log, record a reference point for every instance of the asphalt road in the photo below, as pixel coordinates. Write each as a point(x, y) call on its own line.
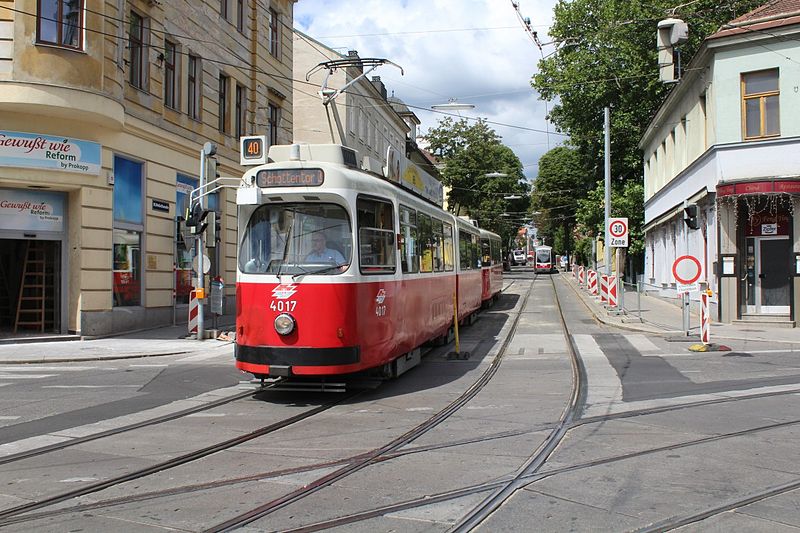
point(660, 433)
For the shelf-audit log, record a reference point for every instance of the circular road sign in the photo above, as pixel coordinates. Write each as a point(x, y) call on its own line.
point(618, 228)
point(686, 269)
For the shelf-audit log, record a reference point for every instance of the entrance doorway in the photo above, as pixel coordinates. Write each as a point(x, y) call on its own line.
point(767, 275)
point(30, 287)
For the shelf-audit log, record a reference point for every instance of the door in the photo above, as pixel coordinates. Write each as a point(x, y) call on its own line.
point(773, 277)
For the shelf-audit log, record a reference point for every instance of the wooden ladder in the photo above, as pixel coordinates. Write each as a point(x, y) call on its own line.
point(32, 290)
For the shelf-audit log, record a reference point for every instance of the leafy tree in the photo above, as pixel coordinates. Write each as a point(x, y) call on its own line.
point(607, 56)
point(562, 180)
point(469, 152)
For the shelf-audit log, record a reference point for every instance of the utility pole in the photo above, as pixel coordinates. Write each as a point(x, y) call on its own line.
point(607, 129)
point(209, 149)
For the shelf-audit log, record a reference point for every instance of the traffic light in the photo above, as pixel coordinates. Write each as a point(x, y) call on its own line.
point(211, 169)
point(690, 216)
point(198, 217)
point(214, 229)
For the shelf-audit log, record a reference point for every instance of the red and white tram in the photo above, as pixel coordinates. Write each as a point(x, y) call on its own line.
point(341, 271)
point(543, 259)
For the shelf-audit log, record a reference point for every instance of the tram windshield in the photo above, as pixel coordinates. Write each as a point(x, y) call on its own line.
point(543, 256)
point(296, 239)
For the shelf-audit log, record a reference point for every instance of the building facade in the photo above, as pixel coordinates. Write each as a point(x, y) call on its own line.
point(725, 146)
point(104, 109)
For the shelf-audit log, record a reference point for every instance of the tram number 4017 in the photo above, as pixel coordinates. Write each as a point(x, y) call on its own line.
point(380, 310)
point(283, 306)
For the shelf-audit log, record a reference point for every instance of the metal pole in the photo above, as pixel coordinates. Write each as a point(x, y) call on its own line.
point(639, 298)
point(200, 285)
point(607, 128)
point(686, 301)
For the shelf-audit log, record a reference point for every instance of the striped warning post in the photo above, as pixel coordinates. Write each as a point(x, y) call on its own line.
point(592, 283)
point(612, 291)
point(580, 275)
point(603, 288)
point(194, 308)
point(705, 321)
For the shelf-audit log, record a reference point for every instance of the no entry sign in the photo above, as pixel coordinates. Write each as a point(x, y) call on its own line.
point(618, 232)
point(686, 269)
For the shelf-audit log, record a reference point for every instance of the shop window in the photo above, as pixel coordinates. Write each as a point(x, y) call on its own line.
point(170, 80)
point(60, 23)
point(127, 231)
point(193, 88)
point(376, 236)
point(138, 41)
point(760, 104)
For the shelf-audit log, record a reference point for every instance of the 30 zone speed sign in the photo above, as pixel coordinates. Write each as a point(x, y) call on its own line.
point(618, 232)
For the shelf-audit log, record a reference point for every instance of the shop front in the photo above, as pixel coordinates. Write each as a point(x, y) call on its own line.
point(760, 263)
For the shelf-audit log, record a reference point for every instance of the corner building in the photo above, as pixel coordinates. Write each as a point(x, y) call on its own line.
point(104, 109)
point(727, 140)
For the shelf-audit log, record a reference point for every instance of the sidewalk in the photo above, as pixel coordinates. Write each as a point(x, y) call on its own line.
point(662, 317)
point(149, 343)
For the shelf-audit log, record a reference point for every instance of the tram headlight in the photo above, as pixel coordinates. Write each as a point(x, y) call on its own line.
point(284, 324)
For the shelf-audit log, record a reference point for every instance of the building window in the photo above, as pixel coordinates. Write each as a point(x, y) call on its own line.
point(223, 9)
point(273, 119)
point(760, 107)
point(274, 32)
point(240, 15)
point(137, 44)
point(241, 110)
point(223, 103)
point(127, 232)
point(193, 88)
point(170, 80)
point(60, 22)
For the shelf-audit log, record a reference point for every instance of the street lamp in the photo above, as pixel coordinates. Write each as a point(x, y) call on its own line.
point(452, 105)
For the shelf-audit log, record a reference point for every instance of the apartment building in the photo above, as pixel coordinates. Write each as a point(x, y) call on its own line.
point(104, 109)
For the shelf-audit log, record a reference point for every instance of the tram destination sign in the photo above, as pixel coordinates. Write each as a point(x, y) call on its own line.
point(292, 177)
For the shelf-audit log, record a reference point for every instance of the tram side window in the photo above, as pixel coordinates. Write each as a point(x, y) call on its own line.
point(438, 246)
point(496, 252)
point(448, 247)
point(425, 243)
point(409, 259)
point(376, 236)
point(465, 250)
point(486, 252)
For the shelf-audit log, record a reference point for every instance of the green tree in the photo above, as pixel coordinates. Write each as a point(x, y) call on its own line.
point(468, 153)
point(561, 181)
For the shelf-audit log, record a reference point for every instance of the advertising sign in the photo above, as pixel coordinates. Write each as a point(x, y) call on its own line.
point(27, 210)
point(32, 150)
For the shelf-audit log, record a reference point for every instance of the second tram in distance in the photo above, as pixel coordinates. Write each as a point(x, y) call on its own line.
point(340, 270)
point(543, 259)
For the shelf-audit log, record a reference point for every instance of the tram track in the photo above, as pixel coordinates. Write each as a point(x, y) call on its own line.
point(371, 457)
point(6, 515)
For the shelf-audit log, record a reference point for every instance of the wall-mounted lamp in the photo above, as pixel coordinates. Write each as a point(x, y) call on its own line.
point(160, 58)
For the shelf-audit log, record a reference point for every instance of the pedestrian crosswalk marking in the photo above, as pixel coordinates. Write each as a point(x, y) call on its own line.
point(604, 386)
point(642, 343)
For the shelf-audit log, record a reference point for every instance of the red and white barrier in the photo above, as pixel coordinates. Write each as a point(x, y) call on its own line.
point(705, 320)
point(592, 283)
point(581, 274)
point(612, 291)
point(194, 308)
point(603, 288)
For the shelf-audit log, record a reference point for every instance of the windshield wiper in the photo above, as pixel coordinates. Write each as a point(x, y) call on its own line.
point(286, 244)
point(317, 271)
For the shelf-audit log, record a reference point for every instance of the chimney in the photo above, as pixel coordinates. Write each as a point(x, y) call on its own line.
point(378, 84)
point(353, 55)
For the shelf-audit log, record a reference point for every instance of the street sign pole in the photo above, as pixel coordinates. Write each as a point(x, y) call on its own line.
point(686, 301)
point(199, 286)
point(607, 127)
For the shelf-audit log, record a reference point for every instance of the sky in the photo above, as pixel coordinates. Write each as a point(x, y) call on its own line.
point(474, 51)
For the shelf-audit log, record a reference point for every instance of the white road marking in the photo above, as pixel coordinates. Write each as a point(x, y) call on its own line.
point(147, 366)
point(642, 343)
point(77, 479)
point(37, 368)
point(706, 354)
point(9, 417)
point(68, 434)
point(26, 376)
point(604, 386)
point(90, 386)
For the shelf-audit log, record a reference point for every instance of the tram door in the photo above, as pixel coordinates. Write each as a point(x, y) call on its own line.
point(767, 275)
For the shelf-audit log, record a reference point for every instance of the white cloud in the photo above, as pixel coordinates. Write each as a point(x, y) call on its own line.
point(475, 51)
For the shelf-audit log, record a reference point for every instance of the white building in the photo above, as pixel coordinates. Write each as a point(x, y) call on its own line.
point(727, 139)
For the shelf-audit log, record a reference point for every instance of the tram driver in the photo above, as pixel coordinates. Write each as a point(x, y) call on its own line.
point(321, 253)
